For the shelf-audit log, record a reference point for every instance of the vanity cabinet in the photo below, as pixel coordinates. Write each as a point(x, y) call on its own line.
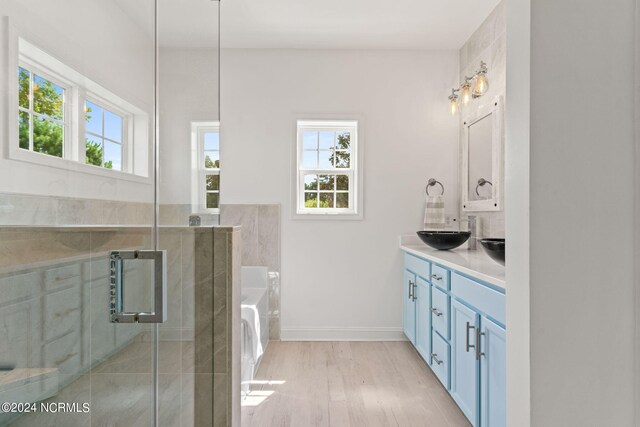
point(457, 324)
point(423, 317)
point(493, 364)
point(464, 378)
point(417, 306)
point(409, 307)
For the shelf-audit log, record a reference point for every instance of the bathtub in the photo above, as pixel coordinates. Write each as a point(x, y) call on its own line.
point(254, 329)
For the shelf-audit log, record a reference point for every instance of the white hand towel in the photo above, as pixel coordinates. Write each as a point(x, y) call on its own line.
point(434, 213)
point(252, 317)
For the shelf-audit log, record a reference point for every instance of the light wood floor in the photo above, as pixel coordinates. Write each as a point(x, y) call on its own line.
point(358, 384)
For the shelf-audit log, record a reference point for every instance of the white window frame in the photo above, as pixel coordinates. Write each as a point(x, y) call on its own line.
point(199, 172)
point(68, 102)
point(126, 131)
point(136, 145)
point(354, 171)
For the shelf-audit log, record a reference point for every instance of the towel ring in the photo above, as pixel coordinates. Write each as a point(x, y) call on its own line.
point(433, 182)
point(481, 183)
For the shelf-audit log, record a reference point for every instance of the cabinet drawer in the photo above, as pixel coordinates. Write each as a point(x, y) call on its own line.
point(483, 298)
point(62, 312)
point(59, 277)
point(64, 354)
point(440, 312)
point(417, 265)
point(18, 288)
point(440, 277)
point(440, 359)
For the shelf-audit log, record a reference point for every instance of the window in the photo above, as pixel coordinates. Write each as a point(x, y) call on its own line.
point(327, 168)
point(42, 119)
point(66, 120)
point(104, 136)
point(206, 182)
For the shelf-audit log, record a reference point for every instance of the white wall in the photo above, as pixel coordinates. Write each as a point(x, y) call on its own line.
point(581, 213)
point(517, 212)
point(100, 41)
point(407, 135)
point(188, 92)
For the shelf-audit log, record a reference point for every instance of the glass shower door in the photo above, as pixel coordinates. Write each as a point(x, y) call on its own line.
point(78, 181)
point(92, 184)
point(189, 194)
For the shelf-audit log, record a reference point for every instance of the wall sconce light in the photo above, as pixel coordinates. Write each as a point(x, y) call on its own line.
point(465, 90)
point(471, 88)
point(481, 84)
point(453, 101)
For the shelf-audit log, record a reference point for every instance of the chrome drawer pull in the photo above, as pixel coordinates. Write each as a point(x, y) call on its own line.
point(435, 359)
point(436, 277)
point(479, 352)
point(436, 312)
point(468, 344)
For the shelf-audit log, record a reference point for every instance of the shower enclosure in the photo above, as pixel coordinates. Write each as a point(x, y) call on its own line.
point(109, 150)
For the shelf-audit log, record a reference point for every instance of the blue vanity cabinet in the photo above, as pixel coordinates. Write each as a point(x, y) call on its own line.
point(417, 299)
point(493, 374)
point(464, 363)
point(409, 306)
point(423, 318)
point(457, 324)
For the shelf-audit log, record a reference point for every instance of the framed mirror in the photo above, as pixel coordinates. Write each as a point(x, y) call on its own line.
point(482, 158)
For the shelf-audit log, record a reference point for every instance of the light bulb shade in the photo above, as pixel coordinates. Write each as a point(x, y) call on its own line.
point(453, 106)
point(481, 85)
point(465, 94)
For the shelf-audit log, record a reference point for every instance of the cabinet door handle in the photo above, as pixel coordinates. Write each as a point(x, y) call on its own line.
point(414, 291)
point(479, 352)
point(436, 277)
point(436, 312)
point(468, 344)
point(435, 358)
point(410, 290)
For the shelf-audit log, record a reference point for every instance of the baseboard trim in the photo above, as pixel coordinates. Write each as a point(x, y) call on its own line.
point(342, 334)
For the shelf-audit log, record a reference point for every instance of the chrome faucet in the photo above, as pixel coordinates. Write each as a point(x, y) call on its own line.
point(471, 220)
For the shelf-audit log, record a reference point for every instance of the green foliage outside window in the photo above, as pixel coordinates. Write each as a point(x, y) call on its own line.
point(47, 135)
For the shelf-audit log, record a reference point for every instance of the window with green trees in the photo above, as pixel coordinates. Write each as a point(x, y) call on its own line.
point(104, 136)
point(42, 121)
point(68, 121)
point(326, 167)
point(211, 147)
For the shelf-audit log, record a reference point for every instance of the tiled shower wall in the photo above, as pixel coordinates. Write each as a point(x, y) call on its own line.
point(54, 279)
point(26, 210)
point(260, 246)
point(488, 44)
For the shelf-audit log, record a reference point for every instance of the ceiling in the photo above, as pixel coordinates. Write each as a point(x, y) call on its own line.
point(352, 24)
point(317, 24)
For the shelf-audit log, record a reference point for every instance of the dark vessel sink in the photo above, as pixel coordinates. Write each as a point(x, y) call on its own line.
point(494, 248)
point(444, 240)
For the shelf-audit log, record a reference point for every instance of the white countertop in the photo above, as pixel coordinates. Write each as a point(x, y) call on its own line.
point(474, 263)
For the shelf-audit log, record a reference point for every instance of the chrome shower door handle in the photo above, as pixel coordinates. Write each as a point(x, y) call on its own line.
point(117, 282)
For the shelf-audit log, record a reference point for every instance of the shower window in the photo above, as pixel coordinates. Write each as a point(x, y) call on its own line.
point(206, 185)
point(104, 137)
point(42, 119)
point(328, 181)
point(77, 123)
